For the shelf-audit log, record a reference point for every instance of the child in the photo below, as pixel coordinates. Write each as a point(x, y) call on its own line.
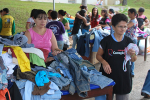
point(105, 20)
point(131, 31)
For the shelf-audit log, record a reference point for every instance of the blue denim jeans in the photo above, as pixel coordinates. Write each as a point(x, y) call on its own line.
point(132, 63)
point(60, 44)
point(75, 38)
point(65, 71)
point(73, 54)
point(55, 96)
point(80, 79)
point(84, 31)
point(146, 86)
point(97, 78)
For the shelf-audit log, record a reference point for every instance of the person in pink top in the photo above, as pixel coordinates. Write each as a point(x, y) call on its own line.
point(42, 37)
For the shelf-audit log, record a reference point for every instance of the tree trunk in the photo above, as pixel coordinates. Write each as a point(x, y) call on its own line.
point(124, 2)
point(84, 2)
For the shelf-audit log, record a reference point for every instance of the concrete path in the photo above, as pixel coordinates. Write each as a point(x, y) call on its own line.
point(141, 69)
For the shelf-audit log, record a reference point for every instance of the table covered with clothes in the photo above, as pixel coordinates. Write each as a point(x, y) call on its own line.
point(25, 75)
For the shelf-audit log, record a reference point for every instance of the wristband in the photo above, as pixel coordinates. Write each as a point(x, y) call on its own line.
point(133, 55)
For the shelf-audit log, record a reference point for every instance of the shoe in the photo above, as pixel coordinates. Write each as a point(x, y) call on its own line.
point(132, 75)
point(145, 95)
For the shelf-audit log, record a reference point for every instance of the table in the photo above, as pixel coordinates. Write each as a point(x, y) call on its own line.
point(145, 50)
point(108, 91)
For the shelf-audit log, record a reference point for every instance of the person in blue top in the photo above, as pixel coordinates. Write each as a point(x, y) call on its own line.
point(111, 55)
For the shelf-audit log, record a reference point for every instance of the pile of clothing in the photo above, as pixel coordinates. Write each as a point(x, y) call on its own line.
point(83, 47)
point(25, 75)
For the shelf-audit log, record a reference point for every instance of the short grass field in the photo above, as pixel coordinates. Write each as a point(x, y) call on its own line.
point(20, 10)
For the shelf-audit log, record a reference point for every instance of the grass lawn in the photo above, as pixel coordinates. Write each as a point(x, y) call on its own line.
point(20, 10)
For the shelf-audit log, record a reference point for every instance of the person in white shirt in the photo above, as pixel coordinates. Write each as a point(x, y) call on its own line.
point(30, 22)
point(101, 3)
point(49, 18)
point(97, 2)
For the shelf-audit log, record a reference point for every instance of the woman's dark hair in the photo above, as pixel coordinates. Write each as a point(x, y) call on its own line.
point(62, 12)
point(39, 12)
point(118, 18)
point(82, 12)
point(1, 11)
point(49, 10)
point(83, 7)
point(141, 9)
point(6, 10)
point(93, 14)
point(33, 12)
point(132, 10)
point(112, 10)
point(54, 14)
point(105, 11)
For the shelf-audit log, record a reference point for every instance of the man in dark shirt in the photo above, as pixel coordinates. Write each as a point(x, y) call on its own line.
point(141, 19)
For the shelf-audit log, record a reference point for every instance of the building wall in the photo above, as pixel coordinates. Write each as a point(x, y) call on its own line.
point(111, 2)
point(88, 1)
point(64, 1)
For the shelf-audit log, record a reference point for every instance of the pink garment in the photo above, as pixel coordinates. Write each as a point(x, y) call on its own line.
point(41, 41)
point(127, 56)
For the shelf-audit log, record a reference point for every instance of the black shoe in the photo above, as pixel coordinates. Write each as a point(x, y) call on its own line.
point(145, 95)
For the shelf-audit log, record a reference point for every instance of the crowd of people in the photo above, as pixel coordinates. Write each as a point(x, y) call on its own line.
point(49, 31)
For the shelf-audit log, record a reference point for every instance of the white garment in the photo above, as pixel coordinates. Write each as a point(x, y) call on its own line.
point(48, 20)
point(28, 90)
point(31, 21)
point(101, 3)
point(36, 51)
point(97, 2)
point(53, 88)
point(66, 38)
point(7, 58)
point(127, 56)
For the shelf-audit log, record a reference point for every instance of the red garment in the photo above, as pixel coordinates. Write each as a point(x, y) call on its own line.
point(95, 22)
point(45, 52)
point(2, 94)
point(13, 54)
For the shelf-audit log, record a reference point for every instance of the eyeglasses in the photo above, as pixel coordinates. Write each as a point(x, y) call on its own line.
point(122, 27)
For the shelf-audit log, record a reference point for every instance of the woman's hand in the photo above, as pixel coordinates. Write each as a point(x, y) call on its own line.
point(56, 51)
point(131, 52)
point(49, 59)
point(106, 67)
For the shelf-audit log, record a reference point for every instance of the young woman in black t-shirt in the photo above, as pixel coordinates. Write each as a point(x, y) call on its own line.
point(111, 55)
point(105, 20)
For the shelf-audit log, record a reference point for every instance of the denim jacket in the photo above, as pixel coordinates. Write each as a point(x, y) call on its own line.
point(81, 81)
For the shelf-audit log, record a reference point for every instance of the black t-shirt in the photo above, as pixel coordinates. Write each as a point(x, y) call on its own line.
point(114, 55)
point(141, 20)
point(103, 20)
point(77, 25)
point(84, 26)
